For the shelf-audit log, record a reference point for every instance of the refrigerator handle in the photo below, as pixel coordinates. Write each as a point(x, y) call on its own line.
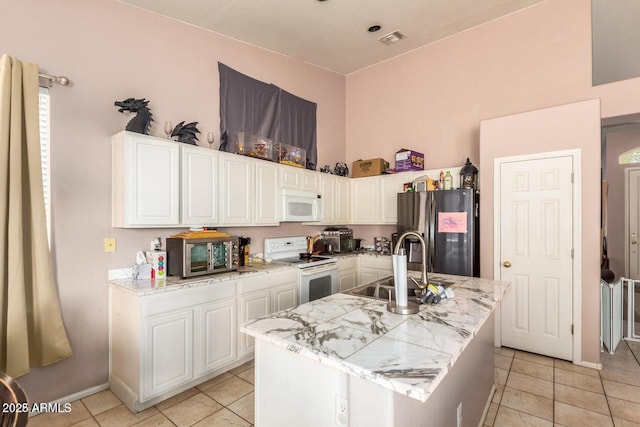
point(432, 233)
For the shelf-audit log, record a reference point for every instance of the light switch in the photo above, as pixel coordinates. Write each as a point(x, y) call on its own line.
point(109, 244)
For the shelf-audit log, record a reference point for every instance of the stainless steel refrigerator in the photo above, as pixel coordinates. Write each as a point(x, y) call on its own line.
point(449, 222)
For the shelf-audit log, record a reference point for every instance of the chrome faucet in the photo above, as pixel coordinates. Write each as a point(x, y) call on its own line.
point(423, 247)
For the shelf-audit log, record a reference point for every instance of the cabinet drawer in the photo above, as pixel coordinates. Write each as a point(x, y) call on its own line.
point(267, 281)
point(183, 298)
point(375, 261)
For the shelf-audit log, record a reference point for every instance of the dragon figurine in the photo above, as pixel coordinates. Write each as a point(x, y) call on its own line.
point(186, 133)
point(143, 118)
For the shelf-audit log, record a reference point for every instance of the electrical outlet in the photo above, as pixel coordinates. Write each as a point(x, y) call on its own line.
point(342, 411)
point(459, 415)
point(109, 244)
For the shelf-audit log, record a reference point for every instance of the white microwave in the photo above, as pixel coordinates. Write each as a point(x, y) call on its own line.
point(301, 206)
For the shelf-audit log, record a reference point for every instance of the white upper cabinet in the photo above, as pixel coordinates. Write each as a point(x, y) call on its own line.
point(237, 189)
point(145, 181)
point(267, 195)
point(310, 180)
point(328, 191)
point(374, 199)
point(365, 200)
point(390, 186)
point(342, 201)
point(336, 199)
point(199, 185)
point(299, 179)
point(249, 191)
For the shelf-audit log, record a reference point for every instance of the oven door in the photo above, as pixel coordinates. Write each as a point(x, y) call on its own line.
point(317, 282)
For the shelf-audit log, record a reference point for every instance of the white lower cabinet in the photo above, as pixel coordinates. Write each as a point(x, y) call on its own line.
point(252, 306)
point(262, 295)
point(372, 268)
point(215, 342)
point(347, 273)
point(168, 352)
point(164, 343)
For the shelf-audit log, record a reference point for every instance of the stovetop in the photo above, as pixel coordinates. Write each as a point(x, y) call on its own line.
point(288, 249)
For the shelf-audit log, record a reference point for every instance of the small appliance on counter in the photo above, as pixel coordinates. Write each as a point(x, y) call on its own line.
point(340, 239)
point(195, 253)
point(243, 250)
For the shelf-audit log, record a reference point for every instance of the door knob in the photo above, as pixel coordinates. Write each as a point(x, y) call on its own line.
point(507, 264)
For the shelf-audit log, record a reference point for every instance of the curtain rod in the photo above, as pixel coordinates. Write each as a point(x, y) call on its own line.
point(62, 80)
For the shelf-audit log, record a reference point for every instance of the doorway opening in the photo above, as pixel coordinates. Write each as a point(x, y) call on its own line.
point(621, 215)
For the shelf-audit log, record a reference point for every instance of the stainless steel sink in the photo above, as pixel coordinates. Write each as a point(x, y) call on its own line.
point(384, 289)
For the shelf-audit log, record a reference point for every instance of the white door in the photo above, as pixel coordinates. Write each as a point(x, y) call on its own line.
point(632, 266)
point(536, 223)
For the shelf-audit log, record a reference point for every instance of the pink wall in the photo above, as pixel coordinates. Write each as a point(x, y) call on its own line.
point(111, 51)
point(573, 126)
point(431, 99)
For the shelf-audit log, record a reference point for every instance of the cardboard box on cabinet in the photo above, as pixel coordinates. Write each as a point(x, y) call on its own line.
point(370, 167)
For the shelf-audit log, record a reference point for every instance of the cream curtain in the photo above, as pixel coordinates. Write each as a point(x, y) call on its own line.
point(31, 328)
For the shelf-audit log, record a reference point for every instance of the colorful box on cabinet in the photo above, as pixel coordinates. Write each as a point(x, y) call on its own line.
point(409, 160)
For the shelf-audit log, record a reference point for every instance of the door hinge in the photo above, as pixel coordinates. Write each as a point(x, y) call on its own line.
point(571, 253)
point(572, 177)
point(571, 329)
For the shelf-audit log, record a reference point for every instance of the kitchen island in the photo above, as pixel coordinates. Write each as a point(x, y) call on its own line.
point(345, 360)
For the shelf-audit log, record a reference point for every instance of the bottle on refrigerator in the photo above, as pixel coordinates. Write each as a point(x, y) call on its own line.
point(448, 181)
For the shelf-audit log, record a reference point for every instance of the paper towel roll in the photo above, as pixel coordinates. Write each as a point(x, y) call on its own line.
point(400, 278)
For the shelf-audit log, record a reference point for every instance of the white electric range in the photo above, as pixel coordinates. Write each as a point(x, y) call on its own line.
point(317, 275)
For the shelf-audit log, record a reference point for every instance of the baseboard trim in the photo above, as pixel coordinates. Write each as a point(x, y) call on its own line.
point(487, 406)
point(82, 394)
point(591, 365)
point(75, 396)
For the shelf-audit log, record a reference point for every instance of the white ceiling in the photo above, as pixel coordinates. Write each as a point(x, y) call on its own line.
point(333, 34)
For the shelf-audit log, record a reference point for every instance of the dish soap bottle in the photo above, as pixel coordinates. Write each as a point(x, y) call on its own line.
point(448, 181)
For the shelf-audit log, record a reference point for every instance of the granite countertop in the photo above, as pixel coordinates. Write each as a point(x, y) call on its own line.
point(357, 335)
point(144, 287)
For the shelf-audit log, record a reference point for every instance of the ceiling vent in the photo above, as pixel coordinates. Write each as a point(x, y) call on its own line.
point(392, 38)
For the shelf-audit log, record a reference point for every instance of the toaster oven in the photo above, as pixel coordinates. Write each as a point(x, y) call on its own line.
point(196, 257)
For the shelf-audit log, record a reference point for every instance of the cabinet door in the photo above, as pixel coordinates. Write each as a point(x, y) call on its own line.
point(216, 337)
point(267, 194)
point(199, 186)
point(342, 201)
point(290, 177)
point(365, 205)
point(252, 306)
point(390, 186)
point(328, 189)
point(311, 181)
point(347, 279)
point(284, 297)
point(168, 352)
point(236, 189)
point(146, 181)
point(368, 275)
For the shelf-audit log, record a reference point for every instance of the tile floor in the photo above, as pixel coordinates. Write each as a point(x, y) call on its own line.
point(532, 390)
